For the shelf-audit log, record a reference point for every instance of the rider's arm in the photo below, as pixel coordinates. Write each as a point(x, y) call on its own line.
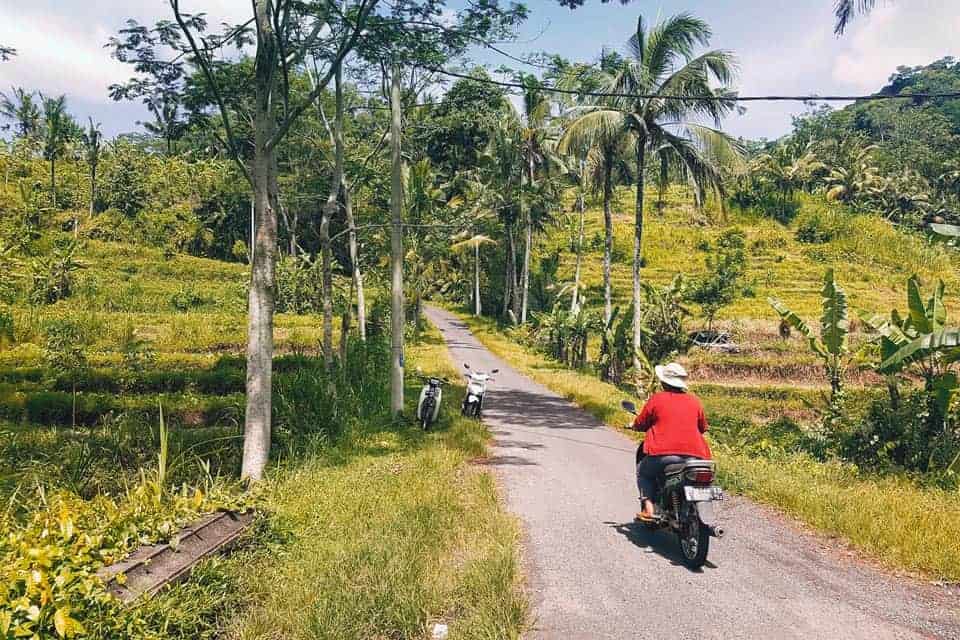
point(646, 418)
point(702, 421)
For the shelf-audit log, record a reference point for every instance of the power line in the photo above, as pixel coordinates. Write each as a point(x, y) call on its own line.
point(718, 98)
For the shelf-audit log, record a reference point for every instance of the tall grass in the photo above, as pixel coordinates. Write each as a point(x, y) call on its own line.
point(891, 518)
point(388, 532)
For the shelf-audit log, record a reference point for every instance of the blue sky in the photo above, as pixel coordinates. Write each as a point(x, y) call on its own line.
point(784, 46)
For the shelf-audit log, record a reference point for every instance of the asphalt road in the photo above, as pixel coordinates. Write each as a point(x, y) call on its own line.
point(592, 573)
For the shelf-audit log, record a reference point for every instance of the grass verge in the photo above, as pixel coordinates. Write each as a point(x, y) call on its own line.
point(904, 526)
point(385, 534)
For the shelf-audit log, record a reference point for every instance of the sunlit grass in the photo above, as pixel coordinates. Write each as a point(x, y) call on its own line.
point(389, 533)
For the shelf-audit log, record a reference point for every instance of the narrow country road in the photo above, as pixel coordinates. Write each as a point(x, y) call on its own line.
point(592, 573)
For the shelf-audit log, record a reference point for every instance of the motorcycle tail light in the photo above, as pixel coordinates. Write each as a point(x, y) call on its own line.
point(700, 476)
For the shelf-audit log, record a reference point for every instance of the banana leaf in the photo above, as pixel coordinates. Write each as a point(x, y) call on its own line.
point(797, 323)
point(944, 387)
point(936, 311)
point(945, 341)
point(918, 312)
point(834, 325)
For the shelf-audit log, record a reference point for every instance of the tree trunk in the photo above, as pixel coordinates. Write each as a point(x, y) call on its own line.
point(527, 248)
point(581, 204)
point(344, 335)
point(256, 442)
point(476, 280)
point(93, 188)
point(638, 256)
point(53, 181)
point(514, 285)
point(608, 238)
point(354, 261)
point(328, 211)
point(528, 240)
point(396, 248)
point(507, 272)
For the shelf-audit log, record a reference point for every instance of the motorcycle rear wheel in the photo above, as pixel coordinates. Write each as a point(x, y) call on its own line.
point(695, 543)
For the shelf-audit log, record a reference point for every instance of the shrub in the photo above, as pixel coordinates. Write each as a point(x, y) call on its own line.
point(897, 435)
point(299, 285)
point(7, 336)
point(51, 277)
point(187, 298)
point(813, 230)
point(720, 286)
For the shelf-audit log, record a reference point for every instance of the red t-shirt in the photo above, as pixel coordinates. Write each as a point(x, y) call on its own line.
point(674, 423)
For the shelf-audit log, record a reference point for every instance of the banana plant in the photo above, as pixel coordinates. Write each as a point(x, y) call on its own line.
point(832, 344)
point(921, 342)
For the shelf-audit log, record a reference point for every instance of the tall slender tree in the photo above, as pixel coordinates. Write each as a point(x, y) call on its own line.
point(286, 33)
point(58, 129)
point(21, 107)
point(92, 139)
point(660, 83)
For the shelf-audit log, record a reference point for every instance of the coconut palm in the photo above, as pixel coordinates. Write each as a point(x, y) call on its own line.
point(538, 153)
point(92, 139)
point(847, 10)
point(21, 107)
point(58, 128)
point(786, 171)
point(604, 148)
point(657, 85)
point(474, 243)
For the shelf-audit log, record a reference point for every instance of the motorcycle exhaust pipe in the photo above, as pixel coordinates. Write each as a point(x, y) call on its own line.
point(717, 532)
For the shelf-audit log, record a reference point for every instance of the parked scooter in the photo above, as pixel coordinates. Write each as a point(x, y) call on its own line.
point(686, 494)
point(428, 409)
point(476, 390)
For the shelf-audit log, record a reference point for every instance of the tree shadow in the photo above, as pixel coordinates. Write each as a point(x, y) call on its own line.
point(661, 542)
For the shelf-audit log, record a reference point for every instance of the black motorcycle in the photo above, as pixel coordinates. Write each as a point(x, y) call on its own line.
point(686, 493)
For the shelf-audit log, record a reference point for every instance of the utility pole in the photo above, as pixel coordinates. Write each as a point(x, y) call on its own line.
point(396, 248)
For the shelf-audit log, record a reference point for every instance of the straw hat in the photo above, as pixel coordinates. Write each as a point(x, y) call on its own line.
point(672, 374)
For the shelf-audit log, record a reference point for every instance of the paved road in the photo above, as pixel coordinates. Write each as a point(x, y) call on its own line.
point(593, 574)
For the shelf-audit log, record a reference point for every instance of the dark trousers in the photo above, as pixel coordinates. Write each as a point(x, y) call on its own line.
point(649, 470)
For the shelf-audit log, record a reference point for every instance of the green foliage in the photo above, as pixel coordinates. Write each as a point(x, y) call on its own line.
point(832, 344)
point(7, 335)
point(51, 276)
point(564, 334)
point(299, 285)
point(721, 284)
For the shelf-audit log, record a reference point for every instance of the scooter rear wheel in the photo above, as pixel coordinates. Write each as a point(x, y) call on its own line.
point(695, 543)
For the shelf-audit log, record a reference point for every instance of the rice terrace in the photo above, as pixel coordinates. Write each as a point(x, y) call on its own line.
point(448, 319)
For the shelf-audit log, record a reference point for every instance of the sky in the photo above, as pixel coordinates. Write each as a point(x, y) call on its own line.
point(784, 47)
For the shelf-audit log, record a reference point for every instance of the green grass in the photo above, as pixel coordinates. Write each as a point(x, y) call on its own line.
point(905, 526)
point(872, 259)
point(387, 534)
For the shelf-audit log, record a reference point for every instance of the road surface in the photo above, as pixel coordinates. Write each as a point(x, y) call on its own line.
point(592, 573)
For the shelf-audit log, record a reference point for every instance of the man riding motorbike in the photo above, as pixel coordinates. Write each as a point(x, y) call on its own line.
point(674, 422)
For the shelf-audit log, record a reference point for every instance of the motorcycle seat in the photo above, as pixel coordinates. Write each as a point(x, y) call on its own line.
point(680, 467)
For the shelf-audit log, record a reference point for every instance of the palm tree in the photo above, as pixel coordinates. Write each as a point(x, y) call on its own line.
point(21, 107)
point(787, 171)
point(846, 10)
point(659, 83)
point(92, 139)
point(603, 144)
point(538, 143)
point(474, 243)
point(58, 127)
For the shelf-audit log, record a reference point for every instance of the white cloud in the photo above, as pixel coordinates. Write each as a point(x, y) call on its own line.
point(903, 33)
point(60, 49)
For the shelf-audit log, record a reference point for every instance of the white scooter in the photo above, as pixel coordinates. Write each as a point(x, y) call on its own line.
point(428, 409)
point(476, 390)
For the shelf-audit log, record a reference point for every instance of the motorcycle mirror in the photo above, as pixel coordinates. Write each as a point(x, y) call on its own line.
point(629, 406)
point(466, 366)
point(495, 371)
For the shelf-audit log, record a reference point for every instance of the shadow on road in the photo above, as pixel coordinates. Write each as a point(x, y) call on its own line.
point(535, 410)
point(663, 543)
point(510, 461)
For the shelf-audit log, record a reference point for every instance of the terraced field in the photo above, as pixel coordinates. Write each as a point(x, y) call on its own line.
point(872, 261)
point(155, 331)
